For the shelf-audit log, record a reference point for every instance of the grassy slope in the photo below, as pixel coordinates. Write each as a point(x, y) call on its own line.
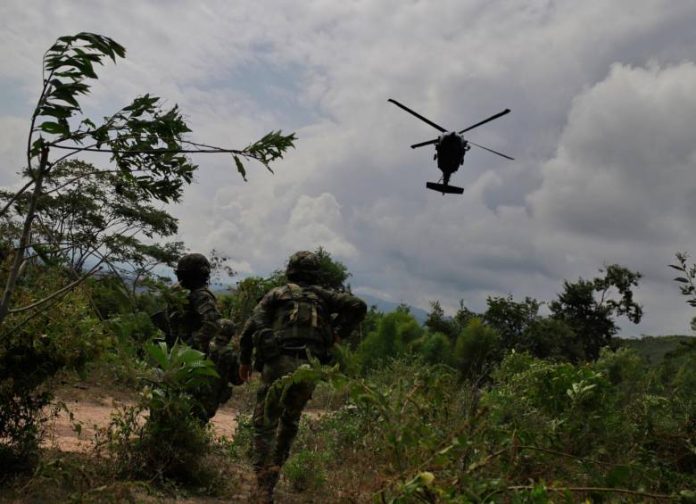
point(654, 348)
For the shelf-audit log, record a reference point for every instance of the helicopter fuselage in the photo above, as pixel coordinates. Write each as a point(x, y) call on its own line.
point(449, 152)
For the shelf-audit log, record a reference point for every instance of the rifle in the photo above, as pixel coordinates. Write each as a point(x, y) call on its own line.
point(161, 321)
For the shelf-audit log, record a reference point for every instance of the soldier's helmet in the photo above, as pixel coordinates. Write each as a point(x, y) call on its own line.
point(193, 266)
point(303, 266)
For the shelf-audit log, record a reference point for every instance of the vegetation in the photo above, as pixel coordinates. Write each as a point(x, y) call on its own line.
point(71, 220)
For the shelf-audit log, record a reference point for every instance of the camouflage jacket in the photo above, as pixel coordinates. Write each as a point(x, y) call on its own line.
point(197, 323)
point(331, 314)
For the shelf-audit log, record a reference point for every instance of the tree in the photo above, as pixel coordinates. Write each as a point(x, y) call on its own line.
point(394, 333)
point(687, 281)
point(84, 215)
point(550, 338)
point(435, 348)
point(437, 321)
point(146, 143)
point(477, 350)
point(511, 319)
point(333, 274)
point(240, 302)
point(588, 307)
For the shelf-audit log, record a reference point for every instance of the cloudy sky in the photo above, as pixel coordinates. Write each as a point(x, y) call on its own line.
point(603, 99)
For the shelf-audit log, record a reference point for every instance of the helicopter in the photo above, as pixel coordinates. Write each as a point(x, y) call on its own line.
point(450, 148)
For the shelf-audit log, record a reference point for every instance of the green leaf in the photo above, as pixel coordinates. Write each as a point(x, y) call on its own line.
point(59, 112)
point(681, 279)
point(240, 167)
point(158, 353)
point(55, 128)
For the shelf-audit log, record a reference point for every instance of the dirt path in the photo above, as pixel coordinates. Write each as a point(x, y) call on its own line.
point(92, 409)
point(91, 405)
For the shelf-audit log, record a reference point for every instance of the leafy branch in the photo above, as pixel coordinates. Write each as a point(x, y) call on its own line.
point(146, 142)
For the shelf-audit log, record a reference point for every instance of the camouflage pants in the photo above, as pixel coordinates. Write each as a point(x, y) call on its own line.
point(217, 391)
point(276, 420)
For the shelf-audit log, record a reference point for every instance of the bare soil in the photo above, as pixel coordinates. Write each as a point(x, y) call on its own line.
point(91, 408)
point(91, 405)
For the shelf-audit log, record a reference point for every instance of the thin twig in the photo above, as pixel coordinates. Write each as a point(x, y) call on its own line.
point(157, 151)
point(564, 454)
point(16, 196)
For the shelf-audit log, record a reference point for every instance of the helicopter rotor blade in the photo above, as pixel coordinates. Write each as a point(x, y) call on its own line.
point(491, 150)
point(412, 112)
point(423, 144)
point(496, 116)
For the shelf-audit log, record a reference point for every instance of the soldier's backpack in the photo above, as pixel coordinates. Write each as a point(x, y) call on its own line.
point(301, 321)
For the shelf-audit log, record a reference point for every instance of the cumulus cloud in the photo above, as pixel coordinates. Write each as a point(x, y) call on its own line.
point(316, 222)
point(625, 162)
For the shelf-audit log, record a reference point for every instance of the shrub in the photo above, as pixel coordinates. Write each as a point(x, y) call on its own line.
point(305, 470)
point(477, 350)
point(31, 355)
point(395, 331)
point(435, 348)
point(171, 442)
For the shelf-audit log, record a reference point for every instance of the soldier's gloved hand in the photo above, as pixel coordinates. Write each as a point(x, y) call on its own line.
point(244, 372)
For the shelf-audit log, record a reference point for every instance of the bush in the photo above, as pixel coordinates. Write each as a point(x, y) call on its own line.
point(305, 470)
point(171, 442)
point(395, 331)
point(39, 348)
point(477, 350)
point(435, 348)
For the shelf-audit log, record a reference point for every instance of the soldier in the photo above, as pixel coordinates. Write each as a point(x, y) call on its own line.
point(289, 324)
point(198, 324)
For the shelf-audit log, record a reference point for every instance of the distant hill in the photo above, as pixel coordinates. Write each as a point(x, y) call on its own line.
point(388, 306)
point(654, 348)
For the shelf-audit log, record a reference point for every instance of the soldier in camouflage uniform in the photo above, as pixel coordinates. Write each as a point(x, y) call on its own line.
point(196, 323)
point(290, 323)
point(199, 325)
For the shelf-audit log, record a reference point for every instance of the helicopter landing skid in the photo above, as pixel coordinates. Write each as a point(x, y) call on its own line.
point(444, 188)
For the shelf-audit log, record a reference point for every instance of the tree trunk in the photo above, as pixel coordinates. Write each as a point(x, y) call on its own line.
point(24, 239)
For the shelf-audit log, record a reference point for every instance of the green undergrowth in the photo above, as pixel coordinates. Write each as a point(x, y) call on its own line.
point(616, 430)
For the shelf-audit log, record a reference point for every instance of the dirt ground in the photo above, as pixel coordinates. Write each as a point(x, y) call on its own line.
point(91, 408)
point(91, 405)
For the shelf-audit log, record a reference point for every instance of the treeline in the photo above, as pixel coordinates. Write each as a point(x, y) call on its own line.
point(581, 321)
